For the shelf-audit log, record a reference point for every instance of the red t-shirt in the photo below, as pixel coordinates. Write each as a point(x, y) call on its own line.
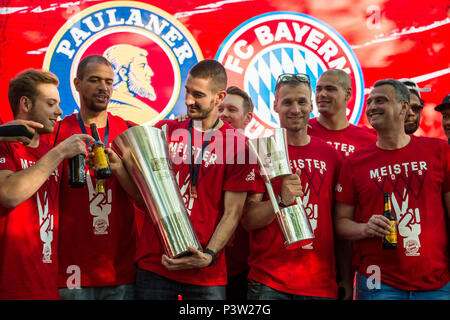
point(416, 176)
point(346, 141)
point(310, 270)
point(237, 252)
point(29, 232)
point(97, 231)
point(216, 175)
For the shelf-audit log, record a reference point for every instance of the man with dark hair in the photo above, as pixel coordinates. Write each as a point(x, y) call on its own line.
point(309, 272)
point(415, 172)
point(214, 194)
point(444, 109)
point(98, 233)
point(93, 59)
point(416, 103)
point(333, 92)
point(29, 188)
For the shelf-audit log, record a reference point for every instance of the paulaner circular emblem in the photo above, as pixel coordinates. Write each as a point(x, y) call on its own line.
point(151, 53)
point(262, 48)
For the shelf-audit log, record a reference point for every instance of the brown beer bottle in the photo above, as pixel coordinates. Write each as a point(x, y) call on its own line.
point(390, 240)
point(77, 171)
point(101, 162)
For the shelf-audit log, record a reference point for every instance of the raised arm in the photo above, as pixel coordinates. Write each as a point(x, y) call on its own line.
point(19, 131)
point(16, 187)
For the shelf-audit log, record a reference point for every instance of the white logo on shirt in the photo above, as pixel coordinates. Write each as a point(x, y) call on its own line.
point(185, 192)
point(45, 228)
point(251, 176)
point(408, 221)
point(2, 160)
point(99, 207)
point(312, 213)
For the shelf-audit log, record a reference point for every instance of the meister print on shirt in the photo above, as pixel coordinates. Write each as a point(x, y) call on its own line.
point(407, 180)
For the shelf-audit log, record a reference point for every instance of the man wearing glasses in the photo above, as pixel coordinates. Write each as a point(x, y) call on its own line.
point(277, 273)
point(333, 92)
point(416, 105)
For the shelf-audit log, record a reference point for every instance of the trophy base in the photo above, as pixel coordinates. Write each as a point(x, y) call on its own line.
point(186, 253)
point(297, 244)
point(295, 227)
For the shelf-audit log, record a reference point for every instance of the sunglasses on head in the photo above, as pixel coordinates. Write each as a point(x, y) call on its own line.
point(287, 77)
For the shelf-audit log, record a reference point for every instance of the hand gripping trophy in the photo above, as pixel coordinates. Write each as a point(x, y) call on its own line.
point(273, 161)
point(144, 151)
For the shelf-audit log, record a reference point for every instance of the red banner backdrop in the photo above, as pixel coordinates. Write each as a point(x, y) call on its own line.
point(373, 39)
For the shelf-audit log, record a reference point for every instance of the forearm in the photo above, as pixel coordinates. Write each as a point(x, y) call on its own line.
point(349, 229)
point(258, 214)
point(230, 219)
point(128, 184)
point(19, 186)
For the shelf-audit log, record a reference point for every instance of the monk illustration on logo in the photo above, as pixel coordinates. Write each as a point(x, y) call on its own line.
point(132, 79)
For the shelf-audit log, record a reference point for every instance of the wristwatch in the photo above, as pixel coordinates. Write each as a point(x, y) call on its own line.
point(280, 202)
point(212, 254)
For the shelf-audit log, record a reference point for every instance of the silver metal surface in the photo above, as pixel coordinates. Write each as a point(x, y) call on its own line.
point(145, 153)
point(273, 161)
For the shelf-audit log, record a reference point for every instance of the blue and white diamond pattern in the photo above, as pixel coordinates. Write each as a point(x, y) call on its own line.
point(262, 73)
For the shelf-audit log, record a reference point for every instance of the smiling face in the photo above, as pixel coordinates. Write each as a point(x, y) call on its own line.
point(45, 109)
point(383, 110)
point(293, 105)
point(201, 100)
point(232, 111)
point(331, 97)
point(96, 86)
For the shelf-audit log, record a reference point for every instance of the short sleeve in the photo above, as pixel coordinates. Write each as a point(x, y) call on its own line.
point(7, 157)
point(240, 175)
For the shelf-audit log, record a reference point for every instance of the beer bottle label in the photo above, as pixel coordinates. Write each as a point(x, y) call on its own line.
point(100, 186)
point(100, 159)
point(392, 237)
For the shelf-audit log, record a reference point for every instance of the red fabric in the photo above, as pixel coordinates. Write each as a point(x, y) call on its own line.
point(347, 140)
point(309, 270)
point(98, 232)
point(237, 252)
point(415, 176)
point(28, 231)
point(215, 177)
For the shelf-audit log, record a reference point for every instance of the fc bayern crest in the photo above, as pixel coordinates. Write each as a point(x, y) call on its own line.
point(262, 48)
point(151, 53)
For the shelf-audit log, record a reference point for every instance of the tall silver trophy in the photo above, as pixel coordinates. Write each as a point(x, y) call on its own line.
point(145, 153)
point(273, 161)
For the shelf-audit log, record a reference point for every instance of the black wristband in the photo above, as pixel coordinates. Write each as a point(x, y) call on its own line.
point(212, 254)
point(280, 202)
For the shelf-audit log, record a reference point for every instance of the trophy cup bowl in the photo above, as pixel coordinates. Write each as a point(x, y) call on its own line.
point(273, 161)
point(145, 154)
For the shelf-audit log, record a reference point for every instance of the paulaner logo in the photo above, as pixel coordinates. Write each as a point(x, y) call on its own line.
point(262, 48)
point(151, 53)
